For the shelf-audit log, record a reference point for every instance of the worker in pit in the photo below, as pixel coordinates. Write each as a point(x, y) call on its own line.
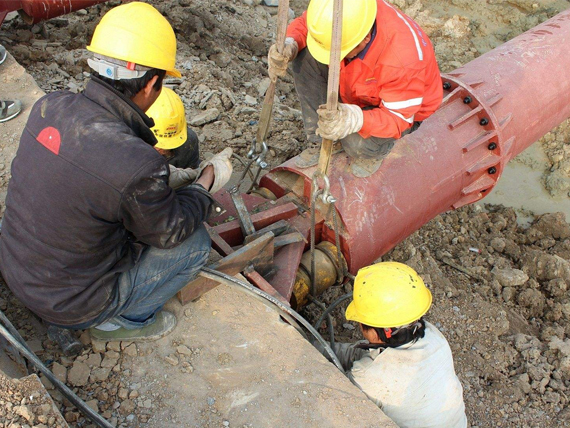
point(177, 143)
point(93, 236)
point(406, 366)
point(389, 77)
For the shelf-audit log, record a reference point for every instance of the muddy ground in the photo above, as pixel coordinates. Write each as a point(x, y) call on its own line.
point(507, 318)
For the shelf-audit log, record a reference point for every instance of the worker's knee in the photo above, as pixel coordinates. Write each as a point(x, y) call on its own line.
point(366, 148)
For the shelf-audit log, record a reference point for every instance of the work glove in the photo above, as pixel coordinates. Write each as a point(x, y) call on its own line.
point(181, 176)
point(222, 168)
point(335, 125)
point(278, 62)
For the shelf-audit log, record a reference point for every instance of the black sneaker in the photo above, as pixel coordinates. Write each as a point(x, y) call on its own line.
point(9, 109)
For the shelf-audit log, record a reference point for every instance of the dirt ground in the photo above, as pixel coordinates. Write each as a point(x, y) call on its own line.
point(500, 289)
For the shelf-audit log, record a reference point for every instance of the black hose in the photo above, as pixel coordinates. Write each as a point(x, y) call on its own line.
point(330, 308)
point(95, 417)
point(282, 308)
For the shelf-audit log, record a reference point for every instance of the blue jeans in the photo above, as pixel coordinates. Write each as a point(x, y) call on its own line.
point(155, 279)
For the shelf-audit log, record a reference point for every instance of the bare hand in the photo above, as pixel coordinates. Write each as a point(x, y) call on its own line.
point(206, 179)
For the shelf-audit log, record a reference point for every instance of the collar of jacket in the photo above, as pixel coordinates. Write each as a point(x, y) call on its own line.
point(122, 107)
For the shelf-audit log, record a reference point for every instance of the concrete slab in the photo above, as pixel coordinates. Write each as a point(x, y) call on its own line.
point(245, 367)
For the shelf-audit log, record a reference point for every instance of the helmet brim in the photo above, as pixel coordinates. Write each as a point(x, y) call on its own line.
point(321, 54)
point(174, 142)
point(174, 73)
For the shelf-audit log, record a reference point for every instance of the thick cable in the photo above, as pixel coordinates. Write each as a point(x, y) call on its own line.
point(330, 308)
point(330, 325)
point(282, 308)
point(93, 416)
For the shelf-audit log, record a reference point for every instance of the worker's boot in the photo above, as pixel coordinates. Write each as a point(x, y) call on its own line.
point(164, 324)
point(9, 109)
point(365, 167)
point(66, 340)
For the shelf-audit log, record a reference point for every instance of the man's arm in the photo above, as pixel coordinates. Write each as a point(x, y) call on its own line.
point(156, 214)
point(297, 29)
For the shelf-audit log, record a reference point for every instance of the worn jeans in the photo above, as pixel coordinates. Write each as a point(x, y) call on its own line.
point(311, 80)
point(155, 279)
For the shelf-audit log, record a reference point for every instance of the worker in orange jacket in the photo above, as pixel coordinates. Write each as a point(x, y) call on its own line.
point(389, 77)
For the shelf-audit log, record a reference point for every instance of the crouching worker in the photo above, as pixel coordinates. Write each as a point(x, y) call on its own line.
point(176, 141)
point(389, 78)
point(179, 145)
point(406, 367)
point(93, 236)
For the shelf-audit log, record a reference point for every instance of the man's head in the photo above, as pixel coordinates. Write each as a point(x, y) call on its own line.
point(357, 19)
point(169, 118)
point(389, 300)
point(134, 47)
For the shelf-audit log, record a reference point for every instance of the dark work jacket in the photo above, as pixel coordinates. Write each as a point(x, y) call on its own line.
point(88, 192)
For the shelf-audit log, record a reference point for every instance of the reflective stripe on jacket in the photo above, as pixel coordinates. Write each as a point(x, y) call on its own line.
point(415, 385)
point(398, 76)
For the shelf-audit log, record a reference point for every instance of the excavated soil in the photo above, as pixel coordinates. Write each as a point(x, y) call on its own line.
point(500, 289)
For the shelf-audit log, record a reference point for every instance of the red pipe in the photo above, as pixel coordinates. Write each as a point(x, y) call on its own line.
point(494, 107)
point(33, 11)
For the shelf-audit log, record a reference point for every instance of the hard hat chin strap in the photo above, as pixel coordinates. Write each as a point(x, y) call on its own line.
point(115, 69)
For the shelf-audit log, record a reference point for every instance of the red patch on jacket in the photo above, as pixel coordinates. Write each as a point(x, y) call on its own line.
point(50, 139)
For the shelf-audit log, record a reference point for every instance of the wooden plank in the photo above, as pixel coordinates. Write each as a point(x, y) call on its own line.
point(258, 251)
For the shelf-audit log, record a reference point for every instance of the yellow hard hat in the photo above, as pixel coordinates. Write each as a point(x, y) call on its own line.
point(357, 19)
point(169, 120)
point(138, 34)
point(388, 294)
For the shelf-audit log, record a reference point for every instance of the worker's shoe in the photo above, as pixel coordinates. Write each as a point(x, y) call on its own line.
point(66, 340)
point(310, 157)
point(365, 167)
point(3, 54)
point(164, 324)
point(9, 109)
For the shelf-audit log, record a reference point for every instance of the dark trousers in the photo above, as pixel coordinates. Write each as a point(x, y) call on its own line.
point(311, 79)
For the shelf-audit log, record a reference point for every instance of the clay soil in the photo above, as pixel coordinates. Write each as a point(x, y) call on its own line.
point(500, 289)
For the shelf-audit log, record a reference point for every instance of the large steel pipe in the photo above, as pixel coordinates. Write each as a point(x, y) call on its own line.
point(33, 11)
point(494, 107)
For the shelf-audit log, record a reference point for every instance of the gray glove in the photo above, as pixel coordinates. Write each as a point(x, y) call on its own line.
point(181, 177)
point(222, 168)
point(278, 62)
point(336, 125)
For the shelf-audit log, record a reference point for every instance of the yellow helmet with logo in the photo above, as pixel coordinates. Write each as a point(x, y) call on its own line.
point(169, 120)
point(388, 294)
point(138, 34)
point(357, 19)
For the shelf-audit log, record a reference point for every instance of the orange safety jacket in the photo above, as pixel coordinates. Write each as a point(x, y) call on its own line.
point(398, 76)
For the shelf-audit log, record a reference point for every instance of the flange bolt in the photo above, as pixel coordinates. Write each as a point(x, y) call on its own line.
point(492, 170)
point(446, 86)
point(467, 100)
point(492, 146)
point(484, 121)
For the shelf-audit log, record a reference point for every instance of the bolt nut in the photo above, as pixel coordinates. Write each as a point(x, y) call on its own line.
point(492, 146)
point(467, 100)
point(484, 121)
point(492, 170)
point(446, 86)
